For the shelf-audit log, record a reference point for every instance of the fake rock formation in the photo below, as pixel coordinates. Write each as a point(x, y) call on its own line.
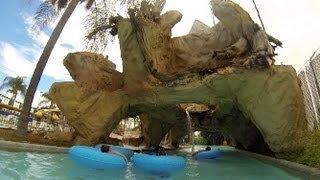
point(227, 67)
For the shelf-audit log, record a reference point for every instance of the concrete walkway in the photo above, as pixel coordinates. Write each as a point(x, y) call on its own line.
point(17, 146)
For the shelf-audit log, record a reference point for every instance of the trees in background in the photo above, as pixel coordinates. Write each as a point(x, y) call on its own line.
point(46, 100)
point(14, 85)
point(44, 14)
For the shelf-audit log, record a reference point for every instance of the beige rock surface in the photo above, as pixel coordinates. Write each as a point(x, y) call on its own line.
point(160, 73)
point(93, 72)
point(91, 115)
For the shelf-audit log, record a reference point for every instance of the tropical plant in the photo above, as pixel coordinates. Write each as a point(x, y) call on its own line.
point(47, 12)
point(14, 86)
point(44, 14)
point(97, 23)
point(46, 100)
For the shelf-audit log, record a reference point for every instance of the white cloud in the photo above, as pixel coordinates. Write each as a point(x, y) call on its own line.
point(73, 35)
point(14, 61)
point(114, 53)
point(40, 37)
point(37, 98)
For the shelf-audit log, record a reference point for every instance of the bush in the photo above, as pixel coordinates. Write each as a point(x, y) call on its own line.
point(199, 140)
point(310, 152)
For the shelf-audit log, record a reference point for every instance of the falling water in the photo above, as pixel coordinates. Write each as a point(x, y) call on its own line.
point(190, 129)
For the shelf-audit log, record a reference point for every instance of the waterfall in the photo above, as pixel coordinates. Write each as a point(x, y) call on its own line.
point(190, 129)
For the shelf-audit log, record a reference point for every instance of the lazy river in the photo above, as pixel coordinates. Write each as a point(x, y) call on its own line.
point(233, 165)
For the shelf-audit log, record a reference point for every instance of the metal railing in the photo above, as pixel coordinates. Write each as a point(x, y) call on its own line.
point(11, 121)
point(6, 100)
point(9, 118)
point(17, 104)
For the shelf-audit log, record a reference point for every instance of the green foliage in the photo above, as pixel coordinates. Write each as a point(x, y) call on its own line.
point(97, 18)
point(14, 85)
point(199, 140)
point(98, 23)
point(309, 154)
point(47, 96)
point(48, 11)
point(46, 99)
point(45, 14)
point(213, 138)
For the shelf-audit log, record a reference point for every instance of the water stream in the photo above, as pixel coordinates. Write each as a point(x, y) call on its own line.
point(190, 130)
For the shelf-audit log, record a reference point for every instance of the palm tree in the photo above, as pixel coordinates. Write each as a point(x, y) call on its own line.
point(46, 99)
point(15, 86)
point(43, 16)
point(69, 6)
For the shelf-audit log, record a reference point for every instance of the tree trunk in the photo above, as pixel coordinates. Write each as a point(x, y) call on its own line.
point(258, 12)
point(13, 99)
point(24, 116)
point(51, 105)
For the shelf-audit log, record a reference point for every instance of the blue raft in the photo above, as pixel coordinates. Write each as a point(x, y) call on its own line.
point(212, 154)
point(125, 151)
point(94, 158)
point(158, 164)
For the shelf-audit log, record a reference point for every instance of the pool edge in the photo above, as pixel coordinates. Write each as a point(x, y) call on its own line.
point(311, 172)
point(20, 146)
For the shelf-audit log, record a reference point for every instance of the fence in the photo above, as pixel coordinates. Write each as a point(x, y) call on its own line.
point(6, 100)
point(10, 122)
point(9, 119)
point(309, 76)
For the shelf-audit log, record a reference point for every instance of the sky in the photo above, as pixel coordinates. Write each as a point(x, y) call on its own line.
point(294, 22)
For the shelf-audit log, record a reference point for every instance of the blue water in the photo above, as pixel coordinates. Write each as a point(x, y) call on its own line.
point(233, 165)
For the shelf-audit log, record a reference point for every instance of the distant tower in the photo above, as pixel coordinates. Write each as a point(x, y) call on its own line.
point(213, 17)
point(199, 27)
point(309, 76)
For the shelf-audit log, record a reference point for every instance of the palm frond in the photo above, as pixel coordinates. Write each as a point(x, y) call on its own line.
point(23, 89)
point(97, 23)
point(45, 14)
point(97, 18)
point(8, 78)
point(6, 82)
point(47, 96)
point(62, 4)
point(14, 85)
point(53, 1)
point(44, 102)
point(10, 91)
point(3, 86)
point(89, 4)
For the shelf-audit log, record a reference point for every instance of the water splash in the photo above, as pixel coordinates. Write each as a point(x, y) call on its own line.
point(190, 129)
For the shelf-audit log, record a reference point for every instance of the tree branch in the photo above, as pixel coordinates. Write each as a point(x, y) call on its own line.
point(97, 30)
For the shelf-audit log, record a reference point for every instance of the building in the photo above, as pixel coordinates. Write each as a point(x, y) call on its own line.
point(310, 78)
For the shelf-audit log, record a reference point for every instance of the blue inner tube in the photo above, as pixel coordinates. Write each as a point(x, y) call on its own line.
point(212, 154)
point(158, 164)
point(125, 151)
point(94, 158)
